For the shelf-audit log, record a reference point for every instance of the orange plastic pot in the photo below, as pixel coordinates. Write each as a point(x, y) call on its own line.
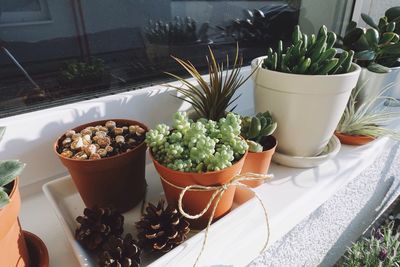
point(38, 254)
point(117, 181)
point(354, 140)
point(194, 201)
point(13, 249)
point(258, 162)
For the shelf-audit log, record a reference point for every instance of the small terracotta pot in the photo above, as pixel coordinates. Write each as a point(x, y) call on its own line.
point(354, 140)
point(38, 253)
point(258, 162)
point(13, 249)
point(117, 181)
point(194, 202)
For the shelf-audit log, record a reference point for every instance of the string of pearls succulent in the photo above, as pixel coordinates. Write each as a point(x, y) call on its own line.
point(200, 146)
point(95, 142)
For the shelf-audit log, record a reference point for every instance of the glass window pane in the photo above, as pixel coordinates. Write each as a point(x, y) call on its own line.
point(92, 48)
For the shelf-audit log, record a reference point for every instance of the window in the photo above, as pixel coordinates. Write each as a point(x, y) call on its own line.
point(16, 12)
point(98, 47)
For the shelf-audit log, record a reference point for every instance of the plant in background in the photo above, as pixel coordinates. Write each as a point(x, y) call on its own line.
point(377, 48)
point(311, 55)
point(211, 99)
point(9, 170)
point(368, 118)
point(381, 249)
point(201, 146)
point(254, 129)
point(84, 72)
point(178, 31)
point(393, 15)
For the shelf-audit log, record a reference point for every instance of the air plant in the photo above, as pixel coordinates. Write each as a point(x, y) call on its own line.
point(376, 48)
point(381, 249)
point(368, 118)
point(254, 129)
point(9, 170)
point(211, 99)
point(310, 55)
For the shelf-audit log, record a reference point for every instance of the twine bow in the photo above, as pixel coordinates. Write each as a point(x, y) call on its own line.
point(219, 191)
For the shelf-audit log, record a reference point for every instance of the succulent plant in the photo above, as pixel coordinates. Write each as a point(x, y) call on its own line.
point(9, 170)
point(178, 31)
point(201, 146)
point(211, 99)
point(376, 48)
point(393, 15)
point(255, 128)
point(258, 27)
point(368, 118)
point(82, 72)
point(381, 249)
point(312, 55)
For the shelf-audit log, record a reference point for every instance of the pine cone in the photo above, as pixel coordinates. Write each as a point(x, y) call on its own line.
point(118, 252)
point(97, 225)
point(160, 230)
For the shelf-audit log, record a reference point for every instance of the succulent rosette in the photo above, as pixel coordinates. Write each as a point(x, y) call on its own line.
point(204, 145)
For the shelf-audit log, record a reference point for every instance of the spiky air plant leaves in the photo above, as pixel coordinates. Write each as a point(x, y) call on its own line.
point(368, 118)
point(211, 99)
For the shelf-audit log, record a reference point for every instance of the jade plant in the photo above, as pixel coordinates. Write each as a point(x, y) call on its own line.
point(310, 55)
point(9, 170)
point(84, 72)
point(377, 48)
point(178, 31)
point(368, 118)
point(211, 99)
point(381, 249)
point(254, 129)
point(204, 145)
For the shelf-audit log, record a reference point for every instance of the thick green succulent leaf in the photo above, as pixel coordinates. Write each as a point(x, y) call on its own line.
point(365, 55)
point(2, 132)
point(351, 26)
point(367, 19)
point(4, 198)
point(393, 13)
point(372, 36)
point(9, 169)
point(378, 68)
point(393, 49)
point(254, 146)
point(352, 36)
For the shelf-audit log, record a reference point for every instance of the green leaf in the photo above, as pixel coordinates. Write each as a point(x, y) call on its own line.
point(393, 13)
point(365, 55)
point(377, 68)
point(393, 49)
point(352, 36)
point(4, 198)
point(9, 170)
point(372, 36)
point(2, 132)
point(367, 19)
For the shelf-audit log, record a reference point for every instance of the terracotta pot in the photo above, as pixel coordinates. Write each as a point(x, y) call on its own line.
point(258, 162)
point(354, 140)
point(13, 252)
point(194, 202)
point(117, 181)
point(38, 253)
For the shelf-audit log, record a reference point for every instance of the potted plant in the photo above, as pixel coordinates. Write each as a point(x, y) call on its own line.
point(258, 132)
point(306, 89)
point(106, 160)
point(179, 36)
point(13, 241)
point(205, 152)
point(361, 124)
point(90, 74)
point(377, 51)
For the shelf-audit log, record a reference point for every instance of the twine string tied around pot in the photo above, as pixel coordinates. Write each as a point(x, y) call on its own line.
point(219, 191)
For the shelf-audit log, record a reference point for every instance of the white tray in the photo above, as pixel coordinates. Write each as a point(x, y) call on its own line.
point(236, 239)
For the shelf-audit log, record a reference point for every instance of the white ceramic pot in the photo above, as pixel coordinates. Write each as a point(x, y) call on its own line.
point(307, 108)
point(373, 84)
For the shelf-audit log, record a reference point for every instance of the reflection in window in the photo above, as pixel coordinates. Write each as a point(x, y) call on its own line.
point(93, 47)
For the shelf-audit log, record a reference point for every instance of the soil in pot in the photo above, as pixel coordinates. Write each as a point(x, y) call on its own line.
point(117, 180)
point(354, 140)
point(13, 250)
point(195, 201)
